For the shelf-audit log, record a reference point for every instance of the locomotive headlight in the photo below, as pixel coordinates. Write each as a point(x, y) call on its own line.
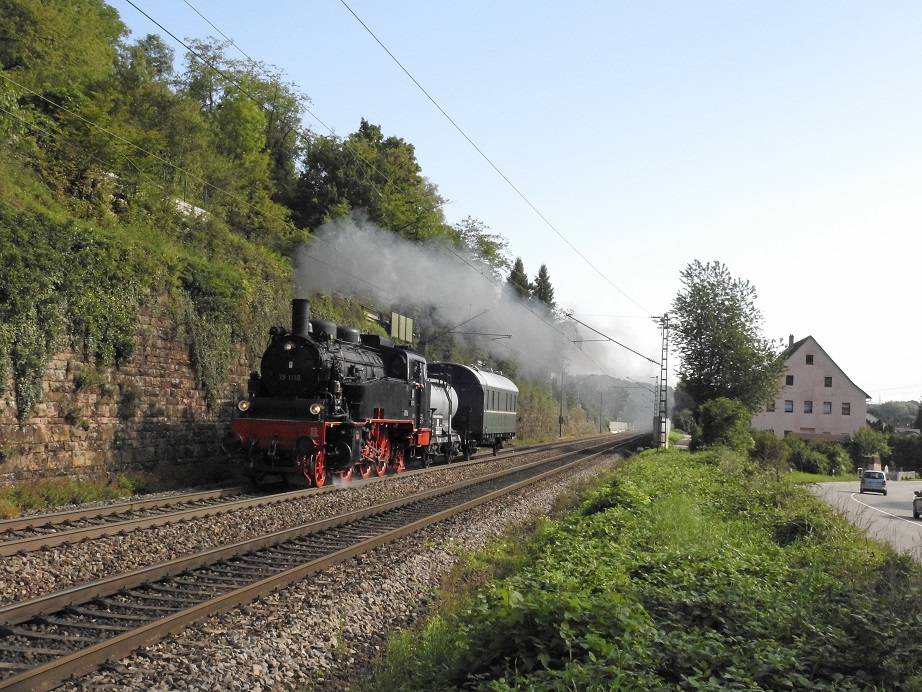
point(315, 409)
point(288, 346)
point(243, 405)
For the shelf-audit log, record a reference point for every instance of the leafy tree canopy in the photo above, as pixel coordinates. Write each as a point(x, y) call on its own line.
point(896, 414)
point(371, 172)
point(53, 44)
point(212, 79)
point(868, 443)
point(716, 330)
point(488, 248)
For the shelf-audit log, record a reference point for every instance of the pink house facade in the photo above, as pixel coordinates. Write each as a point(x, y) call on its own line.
point(816, 400)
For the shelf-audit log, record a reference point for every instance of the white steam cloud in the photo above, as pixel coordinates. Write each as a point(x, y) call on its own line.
point(357, 259)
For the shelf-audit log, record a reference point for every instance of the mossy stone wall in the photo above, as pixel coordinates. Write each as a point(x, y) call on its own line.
point(143, 415)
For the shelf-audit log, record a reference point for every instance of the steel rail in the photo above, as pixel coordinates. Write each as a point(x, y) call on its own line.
point(36, 521)
point(61, 536)
point(81, 662)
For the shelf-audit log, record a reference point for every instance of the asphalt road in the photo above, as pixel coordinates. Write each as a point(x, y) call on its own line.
point(883, 518)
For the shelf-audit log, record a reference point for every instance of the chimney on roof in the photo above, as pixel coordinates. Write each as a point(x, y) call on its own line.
point(790, 340)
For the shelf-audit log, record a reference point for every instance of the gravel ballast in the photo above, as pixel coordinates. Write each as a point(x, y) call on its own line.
point(319, 634)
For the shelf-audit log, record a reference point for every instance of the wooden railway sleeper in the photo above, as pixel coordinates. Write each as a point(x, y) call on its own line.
point(127, 605)
point(276, 561)
point(240, 567)
point(162, 598)
point(32, 650)
point(165, 587)
point(228, 571)
point(218, 581)
point(49, 636)
point(296, 554)
point(94, 613)
point(81, 625)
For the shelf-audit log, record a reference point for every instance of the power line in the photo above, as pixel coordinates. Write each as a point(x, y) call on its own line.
point(488, 160)
point(608, 338)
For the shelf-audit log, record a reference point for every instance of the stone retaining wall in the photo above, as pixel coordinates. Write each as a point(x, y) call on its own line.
point(143, 415)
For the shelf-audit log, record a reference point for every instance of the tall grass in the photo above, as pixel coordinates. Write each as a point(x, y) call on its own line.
point(681, 571)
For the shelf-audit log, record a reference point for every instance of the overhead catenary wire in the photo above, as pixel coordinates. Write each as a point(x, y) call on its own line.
point(230, 80)
point(489, 161)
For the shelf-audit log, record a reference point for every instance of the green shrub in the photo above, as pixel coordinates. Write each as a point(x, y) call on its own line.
point(769, 451)
point(723, 422)
point(685, 571)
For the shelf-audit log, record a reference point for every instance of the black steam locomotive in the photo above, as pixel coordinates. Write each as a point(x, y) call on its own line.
point(328, 401)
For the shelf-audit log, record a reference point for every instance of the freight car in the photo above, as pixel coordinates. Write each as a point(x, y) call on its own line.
point(328, 401)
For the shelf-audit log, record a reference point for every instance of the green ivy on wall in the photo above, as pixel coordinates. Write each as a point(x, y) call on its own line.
point(60, 280)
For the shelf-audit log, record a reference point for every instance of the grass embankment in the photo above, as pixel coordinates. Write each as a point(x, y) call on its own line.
point(61, 492)
point(58, 493)
point(681, 571)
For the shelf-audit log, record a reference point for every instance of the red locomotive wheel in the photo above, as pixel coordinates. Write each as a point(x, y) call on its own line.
point(381, 467)
point(365, 471)
point(346, 475)
point(319, 472)
point(398, 462)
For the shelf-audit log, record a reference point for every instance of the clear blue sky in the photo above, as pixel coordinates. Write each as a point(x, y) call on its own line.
point(782, 139)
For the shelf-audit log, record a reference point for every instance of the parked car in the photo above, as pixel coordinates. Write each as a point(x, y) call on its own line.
point(874, 482)
point(917, 505)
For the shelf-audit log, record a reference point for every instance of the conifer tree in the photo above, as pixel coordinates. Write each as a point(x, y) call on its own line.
point(518, 279)
point(542, 289)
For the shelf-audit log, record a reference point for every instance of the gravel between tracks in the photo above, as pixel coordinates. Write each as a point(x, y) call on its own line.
point(316, 635)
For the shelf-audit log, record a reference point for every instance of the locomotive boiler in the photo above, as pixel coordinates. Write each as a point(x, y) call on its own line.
point(328, 401)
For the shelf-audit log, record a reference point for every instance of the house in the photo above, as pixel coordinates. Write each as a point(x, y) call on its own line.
point(816, 400)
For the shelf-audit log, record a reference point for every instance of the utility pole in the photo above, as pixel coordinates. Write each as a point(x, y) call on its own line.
point(663, 420)
point(560, 417)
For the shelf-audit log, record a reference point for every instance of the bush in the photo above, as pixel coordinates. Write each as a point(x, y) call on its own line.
point(769, 451)
point(724, 422)
point(803, 457)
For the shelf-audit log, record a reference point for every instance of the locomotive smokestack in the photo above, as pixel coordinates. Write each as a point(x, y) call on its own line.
point(300, 317)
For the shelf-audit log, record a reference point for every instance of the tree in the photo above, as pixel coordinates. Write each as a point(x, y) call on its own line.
point(869, 443)
point(371, 172)
point(211, 78)
point(518, 279)
point(717, 332)
point(542, 289)
point(58, 45)
point(488, 248)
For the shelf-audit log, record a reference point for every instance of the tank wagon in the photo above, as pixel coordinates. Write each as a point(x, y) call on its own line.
point(487, 401)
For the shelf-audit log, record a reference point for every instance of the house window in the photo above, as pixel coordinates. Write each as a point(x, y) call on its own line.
point(846, 409)
point(809, 359)
point(827, 382)
point(770, 406)
point(827, 407)
point(787, 432)
point(789, 379)
point(808, 407)
point(788, 406)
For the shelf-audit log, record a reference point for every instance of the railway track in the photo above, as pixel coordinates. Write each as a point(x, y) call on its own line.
point(71, 632)
point(35, 532)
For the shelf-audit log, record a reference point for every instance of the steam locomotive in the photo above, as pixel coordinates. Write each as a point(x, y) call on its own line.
point(328, 401)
